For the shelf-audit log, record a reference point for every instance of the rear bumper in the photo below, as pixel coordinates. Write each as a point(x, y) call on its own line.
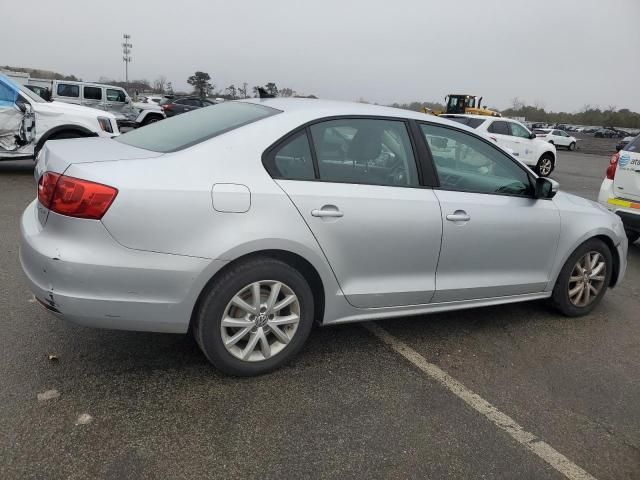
point(627, 210)
point(80, 273)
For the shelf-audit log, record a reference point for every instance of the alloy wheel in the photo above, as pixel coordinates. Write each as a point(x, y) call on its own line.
point(545, 167)
point(587, 279)
point(260, 320)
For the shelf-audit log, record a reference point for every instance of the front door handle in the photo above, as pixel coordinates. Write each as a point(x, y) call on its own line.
point(458, 216)
point(325, 212)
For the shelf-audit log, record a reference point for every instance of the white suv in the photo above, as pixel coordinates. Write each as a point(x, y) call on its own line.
point(620, 190)
point(516, 138)
point(27, 121)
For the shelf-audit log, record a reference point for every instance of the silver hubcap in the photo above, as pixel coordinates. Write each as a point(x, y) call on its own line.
point(545, 166)
point(587, 279)
point(260, 320)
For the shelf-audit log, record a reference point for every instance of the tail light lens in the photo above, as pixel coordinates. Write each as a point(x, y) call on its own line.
point(167, 106)
point(613, 165)
point(75, 197)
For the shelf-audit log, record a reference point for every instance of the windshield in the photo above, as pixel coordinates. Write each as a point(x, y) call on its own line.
point(188, 129)
point(32, 96)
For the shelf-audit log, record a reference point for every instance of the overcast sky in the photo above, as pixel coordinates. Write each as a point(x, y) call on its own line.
point(562, 54)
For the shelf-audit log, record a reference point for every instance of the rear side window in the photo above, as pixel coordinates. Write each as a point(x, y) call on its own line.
point(365, 151)
point(633, 145)
point(292, 161)
point(188, 129)
point(67, 90)
point(500, 127)
point(92, 93)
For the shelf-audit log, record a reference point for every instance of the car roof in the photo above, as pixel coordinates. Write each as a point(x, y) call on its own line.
point(318, 108)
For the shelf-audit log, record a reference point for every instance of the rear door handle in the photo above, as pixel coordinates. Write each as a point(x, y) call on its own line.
point(327, 213)
point(458, 216)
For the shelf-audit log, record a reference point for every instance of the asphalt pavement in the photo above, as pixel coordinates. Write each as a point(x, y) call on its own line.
point(348, 407)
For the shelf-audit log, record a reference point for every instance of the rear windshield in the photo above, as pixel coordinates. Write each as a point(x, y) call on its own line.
point(468, 121)
point(191, 128)
point(633, 145)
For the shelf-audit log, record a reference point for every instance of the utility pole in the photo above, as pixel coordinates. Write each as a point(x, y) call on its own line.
point(126, 50)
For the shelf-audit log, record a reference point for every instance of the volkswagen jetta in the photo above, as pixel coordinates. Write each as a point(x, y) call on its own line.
point(247, 221)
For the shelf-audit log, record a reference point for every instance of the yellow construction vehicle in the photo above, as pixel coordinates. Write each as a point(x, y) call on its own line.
point(461, 103)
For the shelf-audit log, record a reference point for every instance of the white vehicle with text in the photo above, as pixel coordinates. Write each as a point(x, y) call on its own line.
point(514, 137)
point(27, 121)
point(620, 190)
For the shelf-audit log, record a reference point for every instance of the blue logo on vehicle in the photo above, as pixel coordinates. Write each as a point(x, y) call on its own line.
point(624, 159)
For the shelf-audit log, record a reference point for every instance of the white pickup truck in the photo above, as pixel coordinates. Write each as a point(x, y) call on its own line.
point(27, 121)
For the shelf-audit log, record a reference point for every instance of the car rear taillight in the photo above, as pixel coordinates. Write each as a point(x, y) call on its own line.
point(168, 106)
point(75, 197)
point(613, 165)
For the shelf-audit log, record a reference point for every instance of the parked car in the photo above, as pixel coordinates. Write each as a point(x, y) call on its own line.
point(176, 106)
point(622, 143)
point(556, 137)
point(293, 211)
point(520, 141)
point(605, 133)
point(620, 189)
point(27, 121)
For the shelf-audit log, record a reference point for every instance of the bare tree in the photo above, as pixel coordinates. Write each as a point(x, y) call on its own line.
point(517, 104)
point(242, 91)
point(159, 84)
point(232, 91)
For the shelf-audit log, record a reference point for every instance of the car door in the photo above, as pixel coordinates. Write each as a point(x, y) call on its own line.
point(92, 96)
point(360, 195)
point(117, 101)
point(522, 138)
point(497, 239)
point(500, 132)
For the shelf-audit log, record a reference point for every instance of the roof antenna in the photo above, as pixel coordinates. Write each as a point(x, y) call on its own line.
point(262, 93)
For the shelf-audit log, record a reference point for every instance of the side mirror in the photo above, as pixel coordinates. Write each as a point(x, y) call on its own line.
point(532, 136)
point(546, 188)
point(618, 147)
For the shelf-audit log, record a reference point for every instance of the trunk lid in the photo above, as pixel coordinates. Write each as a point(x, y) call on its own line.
point(57, 155)
point(626, 183)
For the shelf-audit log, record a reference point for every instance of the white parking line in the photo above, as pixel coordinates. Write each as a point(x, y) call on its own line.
point(542, 449)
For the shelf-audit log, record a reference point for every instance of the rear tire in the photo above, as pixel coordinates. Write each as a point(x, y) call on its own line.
point(259, 345)
point(545, 165)
point(584, 279)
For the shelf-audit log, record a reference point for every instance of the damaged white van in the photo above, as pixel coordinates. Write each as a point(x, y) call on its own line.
point(27, 121)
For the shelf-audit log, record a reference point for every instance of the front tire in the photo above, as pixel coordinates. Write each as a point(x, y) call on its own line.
point(545, 165)
point(584, 279)
point(572, 146)
point(150, 120)
point(255, 317)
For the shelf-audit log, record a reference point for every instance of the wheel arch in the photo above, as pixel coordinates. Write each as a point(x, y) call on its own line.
point(295, 260)
point(85, 132)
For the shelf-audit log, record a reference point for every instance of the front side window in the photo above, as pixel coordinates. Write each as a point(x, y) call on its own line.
point(366, 151)
point(466, 163)
point(68, 90)
point(518, 130)
point(292, 161)
point(92, 93)
point(499, 127)
point(114, 95)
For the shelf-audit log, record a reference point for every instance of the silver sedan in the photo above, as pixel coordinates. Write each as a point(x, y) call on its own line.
point(247, 221)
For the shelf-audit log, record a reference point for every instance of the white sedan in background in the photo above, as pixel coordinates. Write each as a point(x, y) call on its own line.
point(557, 137)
